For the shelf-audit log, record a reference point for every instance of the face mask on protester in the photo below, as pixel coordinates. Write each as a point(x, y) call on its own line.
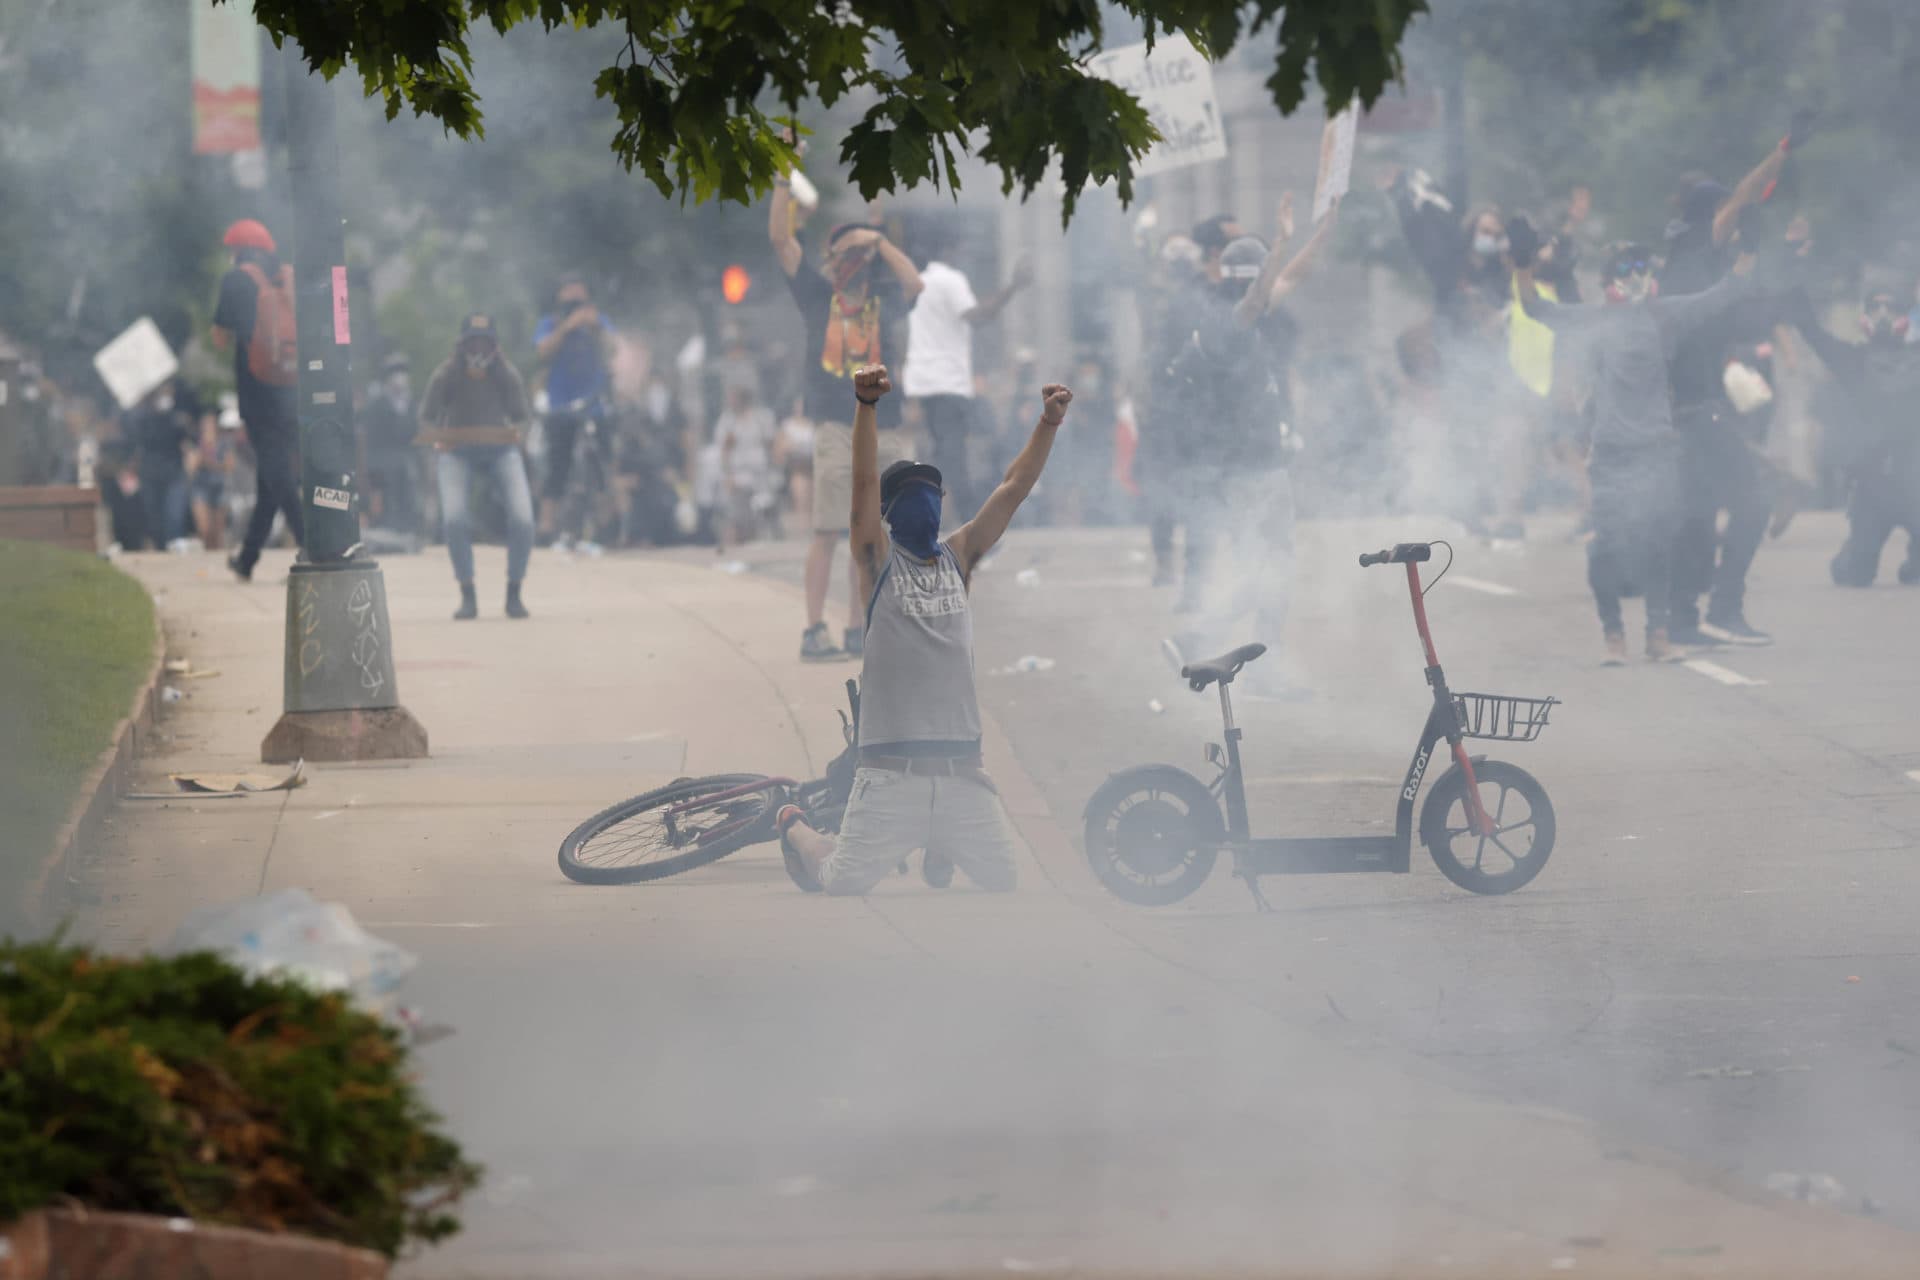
point(913, 518)
point(476, 360)
point(1488, 245)
point(400, 387)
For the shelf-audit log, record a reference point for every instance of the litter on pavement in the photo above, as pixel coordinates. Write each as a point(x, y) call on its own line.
point(227, 784)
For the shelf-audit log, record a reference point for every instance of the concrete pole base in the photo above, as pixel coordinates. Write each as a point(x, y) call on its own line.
point(331, 737)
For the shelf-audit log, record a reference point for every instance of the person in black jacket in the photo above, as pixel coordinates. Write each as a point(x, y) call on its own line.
point(1880, 455)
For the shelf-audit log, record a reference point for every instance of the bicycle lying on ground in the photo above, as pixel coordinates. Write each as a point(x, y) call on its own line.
point(691, 822)
point(1154, 832)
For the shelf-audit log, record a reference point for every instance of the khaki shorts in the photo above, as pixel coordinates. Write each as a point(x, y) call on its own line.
point(833, 472)
point(891, 814)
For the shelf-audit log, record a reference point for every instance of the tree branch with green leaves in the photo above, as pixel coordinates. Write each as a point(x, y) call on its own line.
point(704, 88)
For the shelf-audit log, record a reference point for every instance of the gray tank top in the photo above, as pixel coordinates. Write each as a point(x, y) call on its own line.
point(916, 677)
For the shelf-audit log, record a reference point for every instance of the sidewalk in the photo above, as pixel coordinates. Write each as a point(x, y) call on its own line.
point(715, 1075)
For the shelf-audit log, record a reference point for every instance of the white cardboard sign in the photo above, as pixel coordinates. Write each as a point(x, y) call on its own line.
point(135, 362)
point(1336, 160)
point(1175, 85)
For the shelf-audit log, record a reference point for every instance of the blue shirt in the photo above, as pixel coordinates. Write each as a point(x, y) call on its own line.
point(577, 371)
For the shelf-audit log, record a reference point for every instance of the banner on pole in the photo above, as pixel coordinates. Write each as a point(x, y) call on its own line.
point(1175, 85)
point(1336, 161)
point(226, 78)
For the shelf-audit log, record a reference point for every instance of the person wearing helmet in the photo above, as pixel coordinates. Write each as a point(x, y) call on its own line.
point(268, 409)
point(475, 414)
point(1231, 376)
point(919, 783)
point(1634, 464)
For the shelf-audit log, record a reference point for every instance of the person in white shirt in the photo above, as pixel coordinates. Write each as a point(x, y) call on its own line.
point(939, 371)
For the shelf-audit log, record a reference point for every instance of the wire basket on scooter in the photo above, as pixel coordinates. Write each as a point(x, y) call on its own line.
point(1502, 717)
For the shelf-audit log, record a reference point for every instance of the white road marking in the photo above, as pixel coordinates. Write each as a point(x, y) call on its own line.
point(1714, 671)
point(1483, 586)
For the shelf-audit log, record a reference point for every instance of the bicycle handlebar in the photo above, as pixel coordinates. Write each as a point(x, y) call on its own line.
point(1402, 553)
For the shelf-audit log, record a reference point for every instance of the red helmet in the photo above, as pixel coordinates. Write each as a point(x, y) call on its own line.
point(249, 233)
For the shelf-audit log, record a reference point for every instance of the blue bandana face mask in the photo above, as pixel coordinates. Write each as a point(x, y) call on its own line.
point(913, 518)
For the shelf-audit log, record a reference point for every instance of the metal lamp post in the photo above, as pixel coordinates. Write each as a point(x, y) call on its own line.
point(340, 702)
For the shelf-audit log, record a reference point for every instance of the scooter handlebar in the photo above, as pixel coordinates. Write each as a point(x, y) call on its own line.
point(1402, 553)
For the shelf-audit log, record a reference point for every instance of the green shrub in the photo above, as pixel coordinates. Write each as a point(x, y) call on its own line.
point(182, 1087)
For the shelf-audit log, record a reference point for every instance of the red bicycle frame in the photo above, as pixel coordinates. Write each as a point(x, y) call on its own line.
point(1476, 812)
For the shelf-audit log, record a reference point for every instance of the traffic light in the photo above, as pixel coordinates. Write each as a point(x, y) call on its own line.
point(734, 283)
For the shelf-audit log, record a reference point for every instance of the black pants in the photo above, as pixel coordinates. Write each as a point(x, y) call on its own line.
point(1883, 500)
point(276, 467)
point(395, 478)
point(1719, 472)
point(949, 422)
point(563, 433)
point(1635, 511)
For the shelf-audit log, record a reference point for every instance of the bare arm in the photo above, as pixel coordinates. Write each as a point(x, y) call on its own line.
point(977, 537)
point(869, 533)
point(780, 228)
point(1751, 188)
point(902, 267)
point(1302, 262)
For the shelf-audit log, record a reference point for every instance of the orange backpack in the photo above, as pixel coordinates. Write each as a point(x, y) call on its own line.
point(271, 354)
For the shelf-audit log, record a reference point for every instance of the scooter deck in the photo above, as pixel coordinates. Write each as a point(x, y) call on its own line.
point(1320, 855)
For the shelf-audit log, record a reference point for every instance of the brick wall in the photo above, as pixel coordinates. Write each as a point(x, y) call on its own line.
point(65, 515)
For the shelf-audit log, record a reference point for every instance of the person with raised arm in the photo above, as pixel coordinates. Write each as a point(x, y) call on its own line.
point(920, 783)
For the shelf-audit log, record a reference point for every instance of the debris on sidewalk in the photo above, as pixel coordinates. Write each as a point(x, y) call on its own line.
point(1731, 1072)
point(291, 934)
point(170, 694)
point(1808, 1188)
point(182, 669)
point(1156, 706)
point(1027, 578)
point(226, 784)
point(1028, 663)
point(733, 566)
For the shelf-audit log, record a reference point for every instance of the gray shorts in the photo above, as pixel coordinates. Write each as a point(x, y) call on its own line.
point(891, 814)
point(833, 472)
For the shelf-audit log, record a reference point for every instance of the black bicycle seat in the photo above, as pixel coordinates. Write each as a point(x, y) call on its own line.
point(1220, 670)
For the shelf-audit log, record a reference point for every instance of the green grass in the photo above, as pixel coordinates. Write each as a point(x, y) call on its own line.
point(76, 638)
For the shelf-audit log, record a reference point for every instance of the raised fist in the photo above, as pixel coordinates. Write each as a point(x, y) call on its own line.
point(870, 381)
point(1054, 400)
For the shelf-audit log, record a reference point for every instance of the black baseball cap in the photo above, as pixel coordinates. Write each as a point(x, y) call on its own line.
point(905, 472)
point(478, 325)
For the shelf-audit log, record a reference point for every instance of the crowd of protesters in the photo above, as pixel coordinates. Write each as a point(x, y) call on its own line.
point(1637, 384)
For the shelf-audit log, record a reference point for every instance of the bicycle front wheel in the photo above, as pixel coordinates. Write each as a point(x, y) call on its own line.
point(685, 824)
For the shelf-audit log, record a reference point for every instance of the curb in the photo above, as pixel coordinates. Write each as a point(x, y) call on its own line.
point(48, 894)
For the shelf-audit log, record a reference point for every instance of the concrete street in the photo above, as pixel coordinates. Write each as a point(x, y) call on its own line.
point(1710, 984)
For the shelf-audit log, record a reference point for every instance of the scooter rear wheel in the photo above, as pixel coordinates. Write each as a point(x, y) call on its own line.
point(1152, 834)
point(1523, 822)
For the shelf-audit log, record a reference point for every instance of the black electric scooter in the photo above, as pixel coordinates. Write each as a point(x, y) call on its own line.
point(1153, 832)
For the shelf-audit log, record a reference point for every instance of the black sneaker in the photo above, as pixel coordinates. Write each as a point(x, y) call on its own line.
point(937, 870)
point(1735, 630)
point(516, 608)
point(469, 604)
point(1692, 638)
point(244, 574)
point(817, 646)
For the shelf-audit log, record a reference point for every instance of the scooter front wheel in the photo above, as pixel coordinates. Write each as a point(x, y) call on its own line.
point(1522, 837)
point(1152, 834)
